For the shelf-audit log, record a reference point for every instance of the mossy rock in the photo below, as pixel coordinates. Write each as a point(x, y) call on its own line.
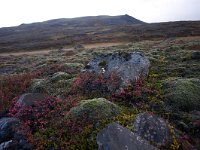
point(38, 86)
point(60, 88)
point(64, 83)
point(95, 109)
point(102, 63)
point(60, 76)
point(182, 94)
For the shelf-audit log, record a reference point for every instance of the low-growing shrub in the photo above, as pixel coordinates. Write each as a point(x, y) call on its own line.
point(49, 70)
point(45, 116)
point(39, 114)
point(136, 94)
point(94, 85)
point(14, 85)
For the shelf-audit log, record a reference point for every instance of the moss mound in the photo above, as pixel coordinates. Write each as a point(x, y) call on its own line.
point(60, 76)
point(38, 86)
point(95, 109)
point(182, 94)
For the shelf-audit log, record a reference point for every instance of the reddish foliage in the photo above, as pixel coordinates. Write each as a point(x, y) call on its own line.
point(37, 116)
point(68, 132)
point(186, 142)
point(44, 114)
point(13, 86)
point(69, 53)
point(53, 68)
point(94, 85)
point(135, 94)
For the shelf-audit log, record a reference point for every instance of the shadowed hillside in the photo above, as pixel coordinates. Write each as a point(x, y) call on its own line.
point(85, 30)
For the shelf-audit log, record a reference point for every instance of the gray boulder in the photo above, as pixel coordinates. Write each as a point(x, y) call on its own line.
point(7, 145)
point(6, 128)
point(116, 137)
point(28, 99)
point(128, 66)
point(153, 129)
point(9, 137)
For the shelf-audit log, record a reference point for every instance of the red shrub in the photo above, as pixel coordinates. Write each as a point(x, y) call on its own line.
point(44, 114)
point(95, 85)
point(135, 94)
point(65, 134)
point(53, 68)
point(14, 85)
point(37, 116)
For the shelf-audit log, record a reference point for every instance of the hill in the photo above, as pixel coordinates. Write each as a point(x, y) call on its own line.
point(97, 29)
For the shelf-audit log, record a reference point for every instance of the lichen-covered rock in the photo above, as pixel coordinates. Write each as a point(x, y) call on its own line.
point(60, 76)
point(28, 99)
point(153, 129)
point(182, 94)
point(95, 109)
point(6, 128)
point(38, 86)
point(9, 136)
point(128, 66)
point(116, 137)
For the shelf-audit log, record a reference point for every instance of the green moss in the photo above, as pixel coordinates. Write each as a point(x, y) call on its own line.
point(60, 76)
point(182, 93)
point(60, 88)
point(95, 109)
point(173, 48)
point(102, 63)
point(38, 86)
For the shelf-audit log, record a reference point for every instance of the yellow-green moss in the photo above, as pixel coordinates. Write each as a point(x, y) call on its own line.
point(182, 93)
point(95, 109)
point(60, 76)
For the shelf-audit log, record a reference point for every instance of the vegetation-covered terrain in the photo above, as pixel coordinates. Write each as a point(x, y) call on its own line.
point(65, 33)
point(73, 111)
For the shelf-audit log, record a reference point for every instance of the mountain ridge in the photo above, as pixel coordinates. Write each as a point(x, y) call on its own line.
point(106, 19)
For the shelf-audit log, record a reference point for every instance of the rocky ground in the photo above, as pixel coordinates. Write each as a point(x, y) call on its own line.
point(140, 95)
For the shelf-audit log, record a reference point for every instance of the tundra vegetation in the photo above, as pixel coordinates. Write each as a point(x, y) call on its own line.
point(75, 105)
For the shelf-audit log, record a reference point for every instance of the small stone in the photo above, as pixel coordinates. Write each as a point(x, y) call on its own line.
point(28, 99)
point(6, 127)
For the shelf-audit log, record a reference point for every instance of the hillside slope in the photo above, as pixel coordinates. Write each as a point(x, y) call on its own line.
point(100, 29)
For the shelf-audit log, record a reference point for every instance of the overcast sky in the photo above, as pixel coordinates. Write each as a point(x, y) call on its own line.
point(15, 12)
